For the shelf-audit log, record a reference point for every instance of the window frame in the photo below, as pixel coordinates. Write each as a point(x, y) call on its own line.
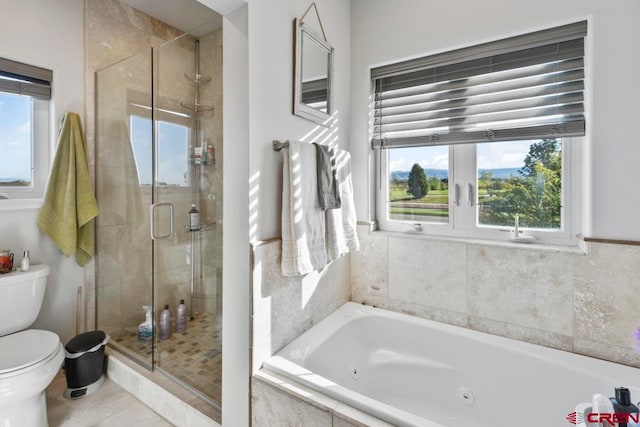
point(22, 79)
point(40, 157)
point(409, 107)
point(463, 219)
point(156, 132)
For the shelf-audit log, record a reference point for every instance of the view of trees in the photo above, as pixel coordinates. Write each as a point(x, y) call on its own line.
point(534, 193)
point(417, 183)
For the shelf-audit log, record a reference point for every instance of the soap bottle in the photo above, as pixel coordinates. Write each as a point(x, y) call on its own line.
point(622, 405)
point(194, 219)
point(181, 317)
point(165, 323)
point(24, 265)
point(145, 329)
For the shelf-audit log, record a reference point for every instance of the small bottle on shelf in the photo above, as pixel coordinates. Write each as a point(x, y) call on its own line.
point(24, 265)
point(194, 218)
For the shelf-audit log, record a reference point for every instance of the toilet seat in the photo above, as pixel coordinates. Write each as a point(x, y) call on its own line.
point(20, 350)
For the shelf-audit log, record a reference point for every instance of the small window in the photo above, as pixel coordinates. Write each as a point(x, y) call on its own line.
point(173, 150)
point(521, 178)
point(25, 92)
point(419, 184)
point(16, 141)
point(472, 142)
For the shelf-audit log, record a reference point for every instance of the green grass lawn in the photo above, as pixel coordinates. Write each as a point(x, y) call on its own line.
point(399, 193)
point(418, 211)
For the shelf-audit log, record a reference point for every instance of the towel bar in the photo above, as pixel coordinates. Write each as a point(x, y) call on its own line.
point(277, 145)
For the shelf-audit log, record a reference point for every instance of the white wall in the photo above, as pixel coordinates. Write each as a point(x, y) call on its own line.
point(50, 35)
point(414, 28)
point(235, 257)
point(271, 88)
point(283, 307)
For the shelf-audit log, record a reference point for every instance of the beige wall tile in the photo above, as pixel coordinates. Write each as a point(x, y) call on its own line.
point(370, 266)
point(285, 307)
point(524, 287)
point(428, 272)
point(522, 333)
point(271, 407)
point(607, 296)
point(431, 313)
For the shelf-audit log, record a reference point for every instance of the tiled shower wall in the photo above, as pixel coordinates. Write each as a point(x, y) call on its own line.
point(584, 303)
point(114, 31)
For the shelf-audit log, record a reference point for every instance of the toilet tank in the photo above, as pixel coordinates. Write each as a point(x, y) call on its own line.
point(21, 296)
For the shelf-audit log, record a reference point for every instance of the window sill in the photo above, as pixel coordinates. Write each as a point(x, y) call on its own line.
point(579, 249)
point(20, 204)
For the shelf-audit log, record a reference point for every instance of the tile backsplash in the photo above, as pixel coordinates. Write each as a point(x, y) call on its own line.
point(584, 303)
point(284, 307)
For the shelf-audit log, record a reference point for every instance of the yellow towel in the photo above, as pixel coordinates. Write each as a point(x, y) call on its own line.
point(70, 204)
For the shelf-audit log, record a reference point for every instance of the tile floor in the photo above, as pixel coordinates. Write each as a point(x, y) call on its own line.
point(193, 357)
point(109, 406)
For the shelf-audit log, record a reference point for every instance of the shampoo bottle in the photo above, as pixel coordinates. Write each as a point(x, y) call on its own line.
point(194, 219)
point(181, 317)
point(145, 329)
point(165, 323)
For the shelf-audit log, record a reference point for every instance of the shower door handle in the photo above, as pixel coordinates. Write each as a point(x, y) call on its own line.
point(152, 210)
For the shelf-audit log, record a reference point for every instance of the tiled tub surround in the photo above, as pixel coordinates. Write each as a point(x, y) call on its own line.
point(276, 401)
point(565, 299)
point(285, 307)
point(416, 372)
point(583, 303)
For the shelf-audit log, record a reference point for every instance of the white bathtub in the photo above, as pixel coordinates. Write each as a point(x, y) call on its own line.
point(415, 372)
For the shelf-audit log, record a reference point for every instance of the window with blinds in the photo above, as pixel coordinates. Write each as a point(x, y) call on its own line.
point(23, 79)
point(25, 92)
point(521, 88)
point(476, 140)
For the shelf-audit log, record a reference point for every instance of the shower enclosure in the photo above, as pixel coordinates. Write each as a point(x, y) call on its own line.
point(158, 153)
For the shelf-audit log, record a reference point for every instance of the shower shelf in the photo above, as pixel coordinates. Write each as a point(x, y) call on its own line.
point(197, 108)
point(197, 78)
point(204, 227)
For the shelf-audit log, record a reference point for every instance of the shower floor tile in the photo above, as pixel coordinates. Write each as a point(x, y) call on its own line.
point(193, 357)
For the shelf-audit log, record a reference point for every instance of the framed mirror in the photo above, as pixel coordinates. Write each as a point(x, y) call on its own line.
point(313, 74)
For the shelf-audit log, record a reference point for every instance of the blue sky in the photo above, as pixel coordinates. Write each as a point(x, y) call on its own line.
point(173, 144)
point(492, 155)
point(15, 137)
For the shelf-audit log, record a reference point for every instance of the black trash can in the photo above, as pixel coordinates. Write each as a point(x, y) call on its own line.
point(84, 363)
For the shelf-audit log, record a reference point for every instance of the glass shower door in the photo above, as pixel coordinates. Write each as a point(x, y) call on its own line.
point(184, 180)
point(124, 141)
point(153, 112)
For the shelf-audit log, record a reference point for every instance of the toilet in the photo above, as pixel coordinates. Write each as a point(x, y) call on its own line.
point(29, 358)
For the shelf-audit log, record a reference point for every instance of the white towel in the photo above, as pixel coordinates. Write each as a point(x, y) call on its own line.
point(303, 220)
point(341, 223)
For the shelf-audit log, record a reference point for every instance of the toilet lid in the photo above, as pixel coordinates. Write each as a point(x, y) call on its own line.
point(21, 349)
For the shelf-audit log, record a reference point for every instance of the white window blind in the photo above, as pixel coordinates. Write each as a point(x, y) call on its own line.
point(520, 88)
point(23, 79)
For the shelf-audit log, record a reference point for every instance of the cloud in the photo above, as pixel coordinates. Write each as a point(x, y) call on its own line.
point(492, 155)
point(24, 128)
point(496, 155)
point(402, 159)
